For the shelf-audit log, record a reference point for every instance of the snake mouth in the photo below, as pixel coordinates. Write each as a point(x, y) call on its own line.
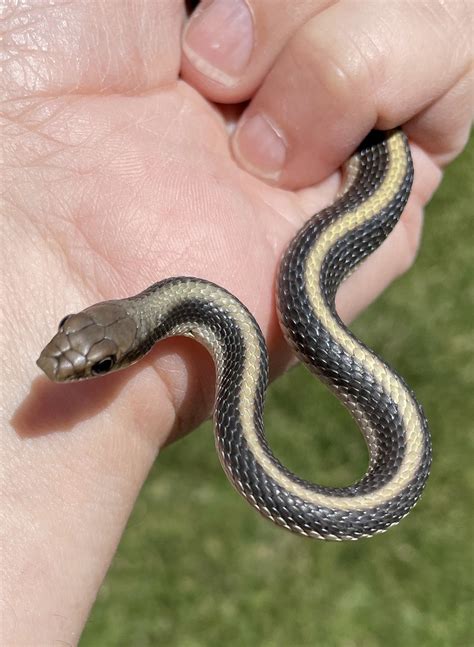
point(59, 369)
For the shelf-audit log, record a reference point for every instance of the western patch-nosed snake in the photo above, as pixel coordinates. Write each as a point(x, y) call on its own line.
point(113, 334)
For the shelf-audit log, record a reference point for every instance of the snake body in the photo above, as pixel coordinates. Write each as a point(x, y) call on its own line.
point(113, 334)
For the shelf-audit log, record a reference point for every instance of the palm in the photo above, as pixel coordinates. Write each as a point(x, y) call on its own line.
point(149, 190)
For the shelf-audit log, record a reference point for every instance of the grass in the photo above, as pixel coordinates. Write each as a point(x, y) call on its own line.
point(198, 568)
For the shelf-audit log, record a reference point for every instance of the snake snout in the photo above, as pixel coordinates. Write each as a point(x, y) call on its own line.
point(48, 365)
point(60, 361)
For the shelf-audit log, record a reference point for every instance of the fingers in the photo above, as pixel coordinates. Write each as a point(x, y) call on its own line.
point(443, 128)
point(342, 71)
point(229, 45)
point(90, 47)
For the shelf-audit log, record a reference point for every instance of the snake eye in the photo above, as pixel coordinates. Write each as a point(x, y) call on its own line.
point(103, 366)
point(63, 321)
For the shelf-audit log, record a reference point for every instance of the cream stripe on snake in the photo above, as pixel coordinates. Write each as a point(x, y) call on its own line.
point(249, 382)
point(111, 335)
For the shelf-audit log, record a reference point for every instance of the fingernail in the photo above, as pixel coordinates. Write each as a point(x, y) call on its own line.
point(260, 147)
point(219, 40)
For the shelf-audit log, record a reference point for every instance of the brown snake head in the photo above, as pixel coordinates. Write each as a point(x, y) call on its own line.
point(90, 343)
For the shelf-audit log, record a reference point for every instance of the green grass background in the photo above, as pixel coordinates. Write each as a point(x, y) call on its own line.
point(198, 568)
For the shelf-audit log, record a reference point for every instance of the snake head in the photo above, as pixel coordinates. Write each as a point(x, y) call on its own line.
point(91, 343)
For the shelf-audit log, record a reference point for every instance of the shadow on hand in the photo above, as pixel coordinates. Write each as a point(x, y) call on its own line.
point(52, 407)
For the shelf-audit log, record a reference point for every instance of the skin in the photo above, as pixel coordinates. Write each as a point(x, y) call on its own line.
point(118, 174)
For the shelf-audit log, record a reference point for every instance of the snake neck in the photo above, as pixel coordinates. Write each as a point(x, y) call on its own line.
point(201, 310)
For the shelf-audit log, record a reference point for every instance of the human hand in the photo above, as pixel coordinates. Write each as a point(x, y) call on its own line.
point(117, 175)
point(319, 74)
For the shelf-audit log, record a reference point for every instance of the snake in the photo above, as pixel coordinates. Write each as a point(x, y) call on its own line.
point(114, 334)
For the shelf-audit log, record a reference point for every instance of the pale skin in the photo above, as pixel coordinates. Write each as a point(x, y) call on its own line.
point(118, 174)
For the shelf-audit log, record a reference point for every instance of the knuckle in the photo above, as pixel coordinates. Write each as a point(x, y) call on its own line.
point(343, 66)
